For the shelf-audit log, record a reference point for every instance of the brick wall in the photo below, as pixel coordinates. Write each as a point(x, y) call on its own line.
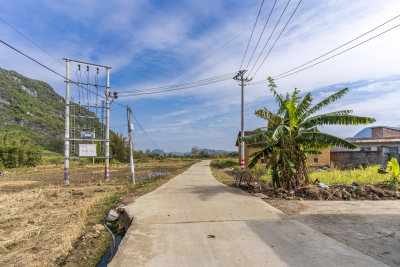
point(322, 160)
point(346, 158)
point(381, 132)
point(247, 153)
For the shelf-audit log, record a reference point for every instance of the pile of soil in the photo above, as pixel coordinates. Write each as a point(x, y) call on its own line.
point(314, 192)
point(335, 192)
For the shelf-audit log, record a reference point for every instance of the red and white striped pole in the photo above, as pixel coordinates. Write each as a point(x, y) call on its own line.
point(240, 76)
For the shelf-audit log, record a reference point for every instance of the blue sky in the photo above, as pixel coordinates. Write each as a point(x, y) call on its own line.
point(154, 43)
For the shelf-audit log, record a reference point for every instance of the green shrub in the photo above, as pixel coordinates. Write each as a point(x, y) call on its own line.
point(16, 151)
point(222, 164)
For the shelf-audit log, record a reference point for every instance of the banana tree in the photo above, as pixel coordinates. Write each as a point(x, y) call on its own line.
point(393, 169)
point(291, 134)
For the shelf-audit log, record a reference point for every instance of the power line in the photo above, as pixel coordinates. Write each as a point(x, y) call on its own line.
point(49, 69)
point(175, 89)
point(262, 32)
point(144, 131)
point(335, 55)
point(265, 58)
point(251, 36)
point(269, 38)
point(34, 60)
point(358, 37)
point(199, 82)
point(216, 50)
point(33, 42)
point(319, 62)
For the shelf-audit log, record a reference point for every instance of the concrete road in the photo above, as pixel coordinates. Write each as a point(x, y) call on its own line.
point(193, 220)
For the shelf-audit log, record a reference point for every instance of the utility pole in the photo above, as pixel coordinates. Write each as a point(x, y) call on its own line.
point(240, 77)
point(66, 142)
point(107, 149)
point(130, 129)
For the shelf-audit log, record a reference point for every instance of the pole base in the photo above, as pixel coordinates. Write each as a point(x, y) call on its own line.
point(106, 180)
point(66, 182)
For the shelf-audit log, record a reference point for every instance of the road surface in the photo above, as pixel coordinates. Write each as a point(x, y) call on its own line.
point(193, 220)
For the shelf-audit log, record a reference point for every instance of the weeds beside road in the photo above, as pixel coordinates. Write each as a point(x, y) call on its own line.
point(362, 184)
point(46, 223)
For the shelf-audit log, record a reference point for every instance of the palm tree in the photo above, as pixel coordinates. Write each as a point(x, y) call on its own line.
point(292, 133)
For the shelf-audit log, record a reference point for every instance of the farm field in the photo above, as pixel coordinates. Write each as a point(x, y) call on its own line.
point(42, 221)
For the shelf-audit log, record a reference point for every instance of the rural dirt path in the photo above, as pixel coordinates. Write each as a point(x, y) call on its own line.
point(193, 220)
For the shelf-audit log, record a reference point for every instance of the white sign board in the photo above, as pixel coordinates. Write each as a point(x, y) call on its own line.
point(87, 150)
point(88, 134)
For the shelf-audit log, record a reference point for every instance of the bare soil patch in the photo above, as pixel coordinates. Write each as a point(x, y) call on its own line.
point(44, 223)
point(314, 192)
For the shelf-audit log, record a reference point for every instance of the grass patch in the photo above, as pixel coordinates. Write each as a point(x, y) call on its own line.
point(368, 175)
point(224, 163)
point(266, 178)
point(222, 177)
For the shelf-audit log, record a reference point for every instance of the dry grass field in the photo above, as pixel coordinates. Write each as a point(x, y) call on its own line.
point(42, 221)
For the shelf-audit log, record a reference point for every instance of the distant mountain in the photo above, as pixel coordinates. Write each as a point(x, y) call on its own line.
point(209, 151)
point(180, 153)
point(366, 132)
point(157, 151)
point(213, 151)
point(34, 108)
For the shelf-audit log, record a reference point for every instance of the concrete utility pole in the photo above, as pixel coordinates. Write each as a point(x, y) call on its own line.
point(240, 77)
point(130, 129)
point(66, 142)
point(107, 147)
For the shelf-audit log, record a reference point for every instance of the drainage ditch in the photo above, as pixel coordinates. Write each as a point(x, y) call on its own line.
point(120, 225)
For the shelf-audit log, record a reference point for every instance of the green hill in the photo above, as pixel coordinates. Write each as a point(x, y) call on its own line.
point(34, 108)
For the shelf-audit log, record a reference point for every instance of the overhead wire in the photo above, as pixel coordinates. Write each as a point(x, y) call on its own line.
point(216, 50)
point(194, 83)
point(280, 34)
point(251, 35)
point(348, 42)
point(30, 40)
point(328, 58)
point(44, 66)
point(319, 62)
point(174, 89)
point(261, 34)
point(144, 131)
point(269, 38)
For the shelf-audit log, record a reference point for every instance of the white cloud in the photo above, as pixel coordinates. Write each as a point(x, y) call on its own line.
point(182, 34)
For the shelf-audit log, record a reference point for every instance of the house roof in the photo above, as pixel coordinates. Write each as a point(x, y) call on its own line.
point(367, 132)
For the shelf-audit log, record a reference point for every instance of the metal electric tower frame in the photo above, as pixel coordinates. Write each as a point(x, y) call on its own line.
point(81, 140)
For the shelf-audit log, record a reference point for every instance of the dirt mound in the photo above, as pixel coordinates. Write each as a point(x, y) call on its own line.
point(335, 192)
point(314, 192)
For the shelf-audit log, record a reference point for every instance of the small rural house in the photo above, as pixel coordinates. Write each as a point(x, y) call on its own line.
point(375, 145)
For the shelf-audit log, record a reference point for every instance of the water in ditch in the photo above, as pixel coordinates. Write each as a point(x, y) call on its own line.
point(110, 253)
